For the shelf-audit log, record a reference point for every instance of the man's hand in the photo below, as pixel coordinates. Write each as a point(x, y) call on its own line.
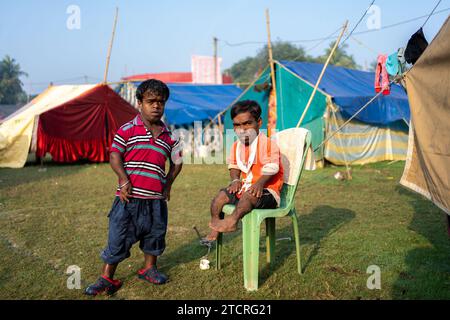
point(125, 191)
point(234, 187)
point(256, 189)
point(116, 162)
point(166, 192)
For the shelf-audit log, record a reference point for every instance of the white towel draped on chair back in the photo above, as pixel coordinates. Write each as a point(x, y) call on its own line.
point(291, 143)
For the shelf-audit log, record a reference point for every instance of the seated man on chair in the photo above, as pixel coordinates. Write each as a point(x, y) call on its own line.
point(255, 169)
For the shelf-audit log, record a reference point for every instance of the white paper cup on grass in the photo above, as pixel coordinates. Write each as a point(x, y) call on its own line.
point(204, 264)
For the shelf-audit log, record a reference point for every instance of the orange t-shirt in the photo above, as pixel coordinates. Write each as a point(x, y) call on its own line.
point(267, 153)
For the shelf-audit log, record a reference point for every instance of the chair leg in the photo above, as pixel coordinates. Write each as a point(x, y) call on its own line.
point(219, 251)
point(294, 218)
point(219, 247)
point(270, 240)
point(250, 244)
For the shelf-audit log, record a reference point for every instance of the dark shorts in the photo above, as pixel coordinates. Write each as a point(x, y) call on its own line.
point(267, 201)
point(138, 220)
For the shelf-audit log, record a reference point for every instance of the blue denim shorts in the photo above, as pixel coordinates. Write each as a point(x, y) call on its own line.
point(143, 220)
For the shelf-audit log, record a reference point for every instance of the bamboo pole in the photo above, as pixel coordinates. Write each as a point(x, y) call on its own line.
point(347, 168)
point(322, 73)
point(108, 57)
point(237, 99)
point(221, 131)
point(272, 67)
point(269, 47)
point(353, 116)
point(215, 60)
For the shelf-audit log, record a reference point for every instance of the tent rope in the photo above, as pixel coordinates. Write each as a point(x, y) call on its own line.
point(357, 24)
point(429, 16)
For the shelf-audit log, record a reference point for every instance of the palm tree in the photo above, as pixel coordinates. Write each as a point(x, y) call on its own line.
point(10, 84)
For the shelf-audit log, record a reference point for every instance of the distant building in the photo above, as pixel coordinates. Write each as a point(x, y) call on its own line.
point(171, 77)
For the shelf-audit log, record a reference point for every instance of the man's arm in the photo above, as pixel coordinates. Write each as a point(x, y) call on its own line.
point(116, 162)
point(174, 170)
point(236, 183)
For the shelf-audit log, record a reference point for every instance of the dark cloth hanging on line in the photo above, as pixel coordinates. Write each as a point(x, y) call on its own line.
point(416, 46)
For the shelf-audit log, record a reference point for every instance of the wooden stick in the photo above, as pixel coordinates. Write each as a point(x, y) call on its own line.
point(237, 99)
point(221, 131)
point(105, 78)
point(272, 67)
point(321, 74)
point(349, 174)
point(353, 116)
point(215, 60)
point(269, 47)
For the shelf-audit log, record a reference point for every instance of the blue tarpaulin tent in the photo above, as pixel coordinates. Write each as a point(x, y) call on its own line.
point(190, 102)
point(351, 89)
point(378, 133)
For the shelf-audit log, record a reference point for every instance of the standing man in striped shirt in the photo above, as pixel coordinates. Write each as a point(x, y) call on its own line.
point(139, 213)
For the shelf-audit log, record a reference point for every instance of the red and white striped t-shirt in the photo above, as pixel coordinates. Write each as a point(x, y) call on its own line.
point(144, 157)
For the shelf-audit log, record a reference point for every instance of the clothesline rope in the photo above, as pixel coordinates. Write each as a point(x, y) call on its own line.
point(364, 45)
point(326, 38)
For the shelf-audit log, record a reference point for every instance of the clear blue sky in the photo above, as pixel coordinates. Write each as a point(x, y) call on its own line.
point(159, 36)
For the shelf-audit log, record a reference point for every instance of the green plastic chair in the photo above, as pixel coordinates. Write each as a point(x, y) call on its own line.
point(291, 152)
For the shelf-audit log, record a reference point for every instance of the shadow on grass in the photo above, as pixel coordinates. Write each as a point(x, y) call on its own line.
point(313, 228)
point(428, 268)
point(193, 251)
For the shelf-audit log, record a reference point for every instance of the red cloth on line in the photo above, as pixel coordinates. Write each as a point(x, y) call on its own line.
point(84, 127)
point(381, 71)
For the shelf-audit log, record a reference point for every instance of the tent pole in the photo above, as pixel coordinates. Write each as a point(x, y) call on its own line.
point(269, 47)
point(105, 77)
point(216, 81)
point(352, 117)
point(219, 121)
point(344, 28)
point(349, 173)
point(272, 68)
point(235, 100)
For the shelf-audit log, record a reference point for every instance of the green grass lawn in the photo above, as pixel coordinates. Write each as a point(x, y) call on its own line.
point(55, 218)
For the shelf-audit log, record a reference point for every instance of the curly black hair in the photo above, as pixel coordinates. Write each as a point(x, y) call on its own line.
point(153, 86)
point(246, 106)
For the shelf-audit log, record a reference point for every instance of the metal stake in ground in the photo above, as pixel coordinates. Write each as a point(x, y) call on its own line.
point(203, 241)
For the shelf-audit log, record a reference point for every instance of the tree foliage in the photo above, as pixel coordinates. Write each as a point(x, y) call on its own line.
point(11, 91)
point(245, 70)
point(340, 57)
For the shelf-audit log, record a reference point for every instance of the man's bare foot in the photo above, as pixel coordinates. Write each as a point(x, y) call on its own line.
point(212, 236)
point(228, 224)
